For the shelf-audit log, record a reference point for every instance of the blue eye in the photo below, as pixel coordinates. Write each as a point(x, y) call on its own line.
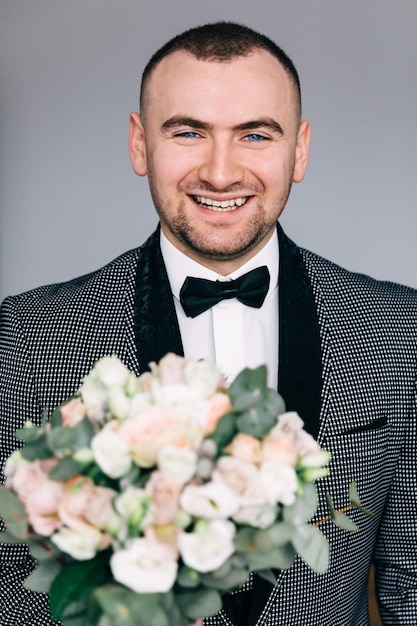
point(188, 134)
point(255, 137)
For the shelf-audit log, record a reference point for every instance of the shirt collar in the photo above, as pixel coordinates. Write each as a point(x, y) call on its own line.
point(179, 265)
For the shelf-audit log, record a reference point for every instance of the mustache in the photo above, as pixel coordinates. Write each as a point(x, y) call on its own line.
point(201, 186)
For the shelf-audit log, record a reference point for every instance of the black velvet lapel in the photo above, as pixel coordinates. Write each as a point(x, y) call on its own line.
point(300, 358)
point(156, 325)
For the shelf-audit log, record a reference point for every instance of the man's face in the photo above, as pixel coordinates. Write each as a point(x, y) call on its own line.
point(221, 144)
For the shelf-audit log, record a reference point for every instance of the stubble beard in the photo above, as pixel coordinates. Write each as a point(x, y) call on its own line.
point(218, 245)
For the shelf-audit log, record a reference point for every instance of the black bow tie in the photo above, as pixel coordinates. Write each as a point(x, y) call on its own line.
point(198, 295)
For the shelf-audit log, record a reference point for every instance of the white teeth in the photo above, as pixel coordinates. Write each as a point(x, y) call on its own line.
point(217, 205)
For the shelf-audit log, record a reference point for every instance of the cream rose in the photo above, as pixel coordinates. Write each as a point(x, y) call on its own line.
point(209, 546)
point(212, 500)
point(111, 452)
point(154, 429)
point(144, 567)
point(278, 482)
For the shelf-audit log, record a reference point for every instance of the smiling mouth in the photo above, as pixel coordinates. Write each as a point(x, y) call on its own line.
point(220, 205)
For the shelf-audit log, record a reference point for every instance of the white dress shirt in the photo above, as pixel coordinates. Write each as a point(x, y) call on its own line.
point(230, 334)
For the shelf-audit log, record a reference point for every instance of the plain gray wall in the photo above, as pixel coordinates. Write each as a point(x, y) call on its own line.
point(69, 77)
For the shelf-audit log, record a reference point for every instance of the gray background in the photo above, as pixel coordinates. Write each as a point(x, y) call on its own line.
point(69, 77)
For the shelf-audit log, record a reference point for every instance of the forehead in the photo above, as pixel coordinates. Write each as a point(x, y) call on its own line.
point(183, 84)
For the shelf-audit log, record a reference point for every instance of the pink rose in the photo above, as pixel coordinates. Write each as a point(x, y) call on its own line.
point(280, 450)
point(165, 494)
point(85, 506)
point(40, 495)
point(239, 475)
point(153, 429)
point(219, 405)
point(72, 413)
point(245, 447)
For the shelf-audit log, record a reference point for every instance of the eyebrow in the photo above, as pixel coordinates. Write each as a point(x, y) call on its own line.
point(265, 122)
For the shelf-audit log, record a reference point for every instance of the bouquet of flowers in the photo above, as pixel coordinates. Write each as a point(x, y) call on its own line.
point(144, 499)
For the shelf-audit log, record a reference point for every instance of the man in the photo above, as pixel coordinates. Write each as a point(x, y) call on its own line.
point(221, 140)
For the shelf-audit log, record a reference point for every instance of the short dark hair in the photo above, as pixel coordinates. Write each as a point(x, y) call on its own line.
point(221, 41)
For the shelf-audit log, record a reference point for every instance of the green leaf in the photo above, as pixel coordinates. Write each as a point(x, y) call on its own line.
point(76, 581)
point(56, 418)
point(230, 582)
point(255, 422)
point(225, 430)
point(343, 521)
point(13, 512)
point(29, 434)
point(36, 450)
point(248, 388)
point(312, 546)
point(245, 539)
point(126, 608)
point(83, 433)
point(188, 578)
point(42, 549)
point(200, 603)
point(64, 469)
point(60, 440)
point(275, 536)
point(355, 499)
point(276, 558)
point(304, 507)
point(42, 577)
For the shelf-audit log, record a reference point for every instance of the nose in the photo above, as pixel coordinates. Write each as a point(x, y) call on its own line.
point(221, 168)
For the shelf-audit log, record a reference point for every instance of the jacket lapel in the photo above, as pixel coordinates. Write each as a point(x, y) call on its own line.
point(155, 320)
point(300, 358)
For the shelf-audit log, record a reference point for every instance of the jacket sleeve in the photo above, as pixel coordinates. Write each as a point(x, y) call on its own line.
point(396, 550)
point(18, 403)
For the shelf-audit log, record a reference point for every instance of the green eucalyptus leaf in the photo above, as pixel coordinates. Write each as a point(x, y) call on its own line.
point(29, 434)
point(343, 521)
point(304, 507)
point(42, 549)
point(56, 418)
point(199, 603)
point(83, 433)
point(277, 558)
point(312, 546)
point(14, 515)
point(37, 450)
point(276, 535)
point(60, 439)
point(127, 608)
point(64, 469)
point(42, 577)
point(225, 430)
point(252, 422)
point(248, 388)
point(77, 580)
point(245, 539)
point(188, 577)
point(232, 581)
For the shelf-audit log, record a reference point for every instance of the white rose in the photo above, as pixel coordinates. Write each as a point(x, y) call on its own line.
point(202, 377)
point(211, 500)
point(179, 463)
point(144, 567)
point(94, 398)
point(111, 453)
point(119, 403)
point(257, 515)
point(278, 482)
point(111, 372)
point(81, 545)
point(206, 549)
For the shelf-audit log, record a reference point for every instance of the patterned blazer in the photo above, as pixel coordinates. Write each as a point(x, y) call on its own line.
point(347, 364)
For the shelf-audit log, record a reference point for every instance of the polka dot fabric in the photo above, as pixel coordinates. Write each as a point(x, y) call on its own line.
point(50, 338)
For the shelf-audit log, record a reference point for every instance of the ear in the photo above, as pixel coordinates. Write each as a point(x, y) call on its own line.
point(137, 145)
point(302, 150)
